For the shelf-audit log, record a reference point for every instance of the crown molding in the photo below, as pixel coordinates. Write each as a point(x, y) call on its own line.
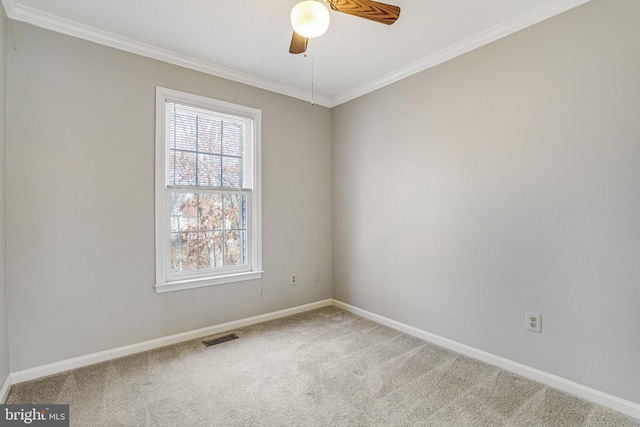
point(64, 26)
point(511, 26)
point(8, 5)
point(75, 29)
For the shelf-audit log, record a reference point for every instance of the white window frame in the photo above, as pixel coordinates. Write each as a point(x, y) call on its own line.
point(166, 280)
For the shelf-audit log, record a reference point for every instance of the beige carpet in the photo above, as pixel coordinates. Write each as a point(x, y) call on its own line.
point(322, 368)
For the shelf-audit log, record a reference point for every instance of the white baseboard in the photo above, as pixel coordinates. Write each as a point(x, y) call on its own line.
point(102, 356)
point(6, 388)
point(626, 407)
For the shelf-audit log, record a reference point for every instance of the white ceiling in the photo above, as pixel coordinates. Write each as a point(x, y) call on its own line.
point(248, 40)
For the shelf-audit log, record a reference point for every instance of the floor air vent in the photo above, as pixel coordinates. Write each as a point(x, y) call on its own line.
point(220, 340)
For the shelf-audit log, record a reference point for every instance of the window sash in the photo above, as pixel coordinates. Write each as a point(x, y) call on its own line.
point(207, 272)
point(245, 152)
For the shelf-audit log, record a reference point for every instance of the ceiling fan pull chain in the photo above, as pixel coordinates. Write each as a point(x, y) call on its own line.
point(313, 102)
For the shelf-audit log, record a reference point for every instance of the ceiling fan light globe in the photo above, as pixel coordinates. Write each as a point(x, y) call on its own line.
point(310, 19)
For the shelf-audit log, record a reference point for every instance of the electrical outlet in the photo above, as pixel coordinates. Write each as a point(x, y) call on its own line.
point(316, 277)
point(533, 322)
point(293, 281)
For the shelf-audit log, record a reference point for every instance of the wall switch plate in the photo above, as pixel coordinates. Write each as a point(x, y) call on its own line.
point(293, 280)
point(533, 322)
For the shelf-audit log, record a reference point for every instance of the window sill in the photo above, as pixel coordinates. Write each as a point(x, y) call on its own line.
point(207, 281)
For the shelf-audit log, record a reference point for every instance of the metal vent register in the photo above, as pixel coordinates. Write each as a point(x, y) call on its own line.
point(220, 340)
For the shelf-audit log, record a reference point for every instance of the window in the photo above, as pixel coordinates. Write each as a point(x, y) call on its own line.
point(207, 191)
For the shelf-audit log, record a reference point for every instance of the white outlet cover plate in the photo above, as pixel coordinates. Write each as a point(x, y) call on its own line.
point(533, 322)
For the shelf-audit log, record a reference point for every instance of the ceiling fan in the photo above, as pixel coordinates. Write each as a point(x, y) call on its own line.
point(310, 18)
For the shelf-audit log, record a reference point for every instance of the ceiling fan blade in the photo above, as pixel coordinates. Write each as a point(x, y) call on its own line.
point(298, 43)
point(368, 9)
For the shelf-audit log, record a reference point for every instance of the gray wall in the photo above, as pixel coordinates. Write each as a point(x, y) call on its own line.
point(80, 201)
point(505, 180)
point(4, 340)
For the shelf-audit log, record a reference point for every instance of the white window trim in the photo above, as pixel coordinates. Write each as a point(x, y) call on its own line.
point(164, 281)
